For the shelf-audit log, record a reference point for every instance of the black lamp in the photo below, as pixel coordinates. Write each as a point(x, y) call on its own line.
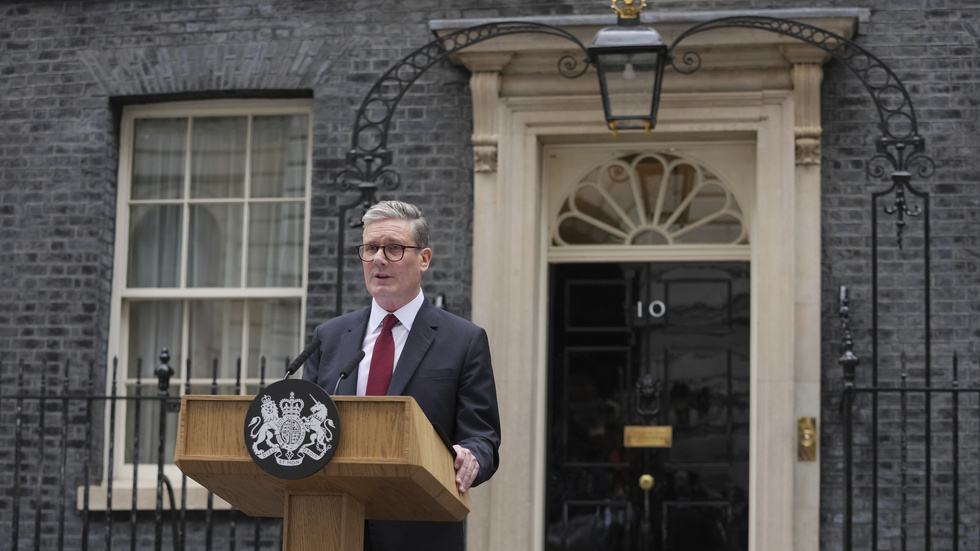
point(630, 61)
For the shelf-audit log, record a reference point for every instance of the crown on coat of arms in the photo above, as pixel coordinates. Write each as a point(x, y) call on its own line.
point(291, 406)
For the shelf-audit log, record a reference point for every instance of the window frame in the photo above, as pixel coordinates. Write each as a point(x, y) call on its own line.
point(565, 166)
point(122, 295)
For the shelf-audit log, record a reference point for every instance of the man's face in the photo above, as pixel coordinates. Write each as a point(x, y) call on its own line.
point(394, 284)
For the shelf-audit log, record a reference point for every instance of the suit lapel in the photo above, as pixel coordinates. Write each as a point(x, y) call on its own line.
point(348, 347)
point(419, 339)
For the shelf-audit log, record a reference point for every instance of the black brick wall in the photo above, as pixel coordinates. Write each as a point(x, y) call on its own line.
point(66, 68)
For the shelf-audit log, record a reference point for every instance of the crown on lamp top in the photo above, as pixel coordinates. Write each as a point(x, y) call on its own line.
point(629, 10)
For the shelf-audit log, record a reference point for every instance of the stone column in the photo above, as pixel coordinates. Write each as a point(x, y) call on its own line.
point(485, 89)
point(807, 74)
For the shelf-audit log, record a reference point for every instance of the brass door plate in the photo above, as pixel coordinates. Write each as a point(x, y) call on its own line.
point(644, 436)
point(806, 439)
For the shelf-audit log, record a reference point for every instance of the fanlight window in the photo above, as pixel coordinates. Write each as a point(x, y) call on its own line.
point(649, 199)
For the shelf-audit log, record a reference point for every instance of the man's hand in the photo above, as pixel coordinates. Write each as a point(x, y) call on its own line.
point(466, 467)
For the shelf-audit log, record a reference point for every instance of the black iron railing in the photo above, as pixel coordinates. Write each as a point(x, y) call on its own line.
point(60, 433)
point(910, 460)
point(909, 417)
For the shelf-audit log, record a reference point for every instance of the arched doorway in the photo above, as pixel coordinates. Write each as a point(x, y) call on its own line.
point(754, 89)
point(648, 362)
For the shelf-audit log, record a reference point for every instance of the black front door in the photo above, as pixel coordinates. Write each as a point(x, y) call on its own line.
point(635, 346)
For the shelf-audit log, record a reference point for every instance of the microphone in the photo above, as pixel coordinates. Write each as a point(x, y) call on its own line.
point(301, 359)
point(348, 369)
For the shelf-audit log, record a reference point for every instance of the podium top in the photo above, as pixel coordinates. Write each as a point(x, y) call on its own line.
point(389, 458)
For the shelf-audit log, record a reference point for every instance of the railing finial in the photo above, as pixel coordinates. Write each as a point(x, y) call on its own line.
point(848, 360)
point(164, 372)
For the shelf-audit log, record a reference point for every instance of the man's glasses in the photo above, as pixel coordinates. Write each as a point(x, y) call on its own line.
point(392, 251)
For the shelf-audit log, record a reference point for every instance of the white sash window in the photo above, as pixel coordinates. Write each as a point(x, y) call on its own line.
point(211, 253)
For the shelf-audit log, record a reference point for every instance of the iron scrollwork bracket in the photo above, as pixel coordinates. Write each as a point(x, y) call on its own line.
point(903, 155)
point(900, 144)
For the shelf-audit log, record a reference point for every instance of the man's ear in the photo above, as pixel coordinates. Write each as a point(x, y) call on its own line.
point(426, 258)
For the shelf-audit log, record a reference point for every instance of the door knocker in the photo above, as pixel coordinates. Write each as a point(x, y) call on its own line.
point(646, 396)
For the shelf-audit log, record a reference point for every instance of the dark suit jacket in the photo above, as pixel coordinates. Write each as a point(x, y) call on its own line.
point(446, 367)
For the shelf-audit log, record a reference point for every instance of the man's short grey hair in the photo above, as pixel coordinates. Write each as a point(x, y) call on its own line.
point(398, 210)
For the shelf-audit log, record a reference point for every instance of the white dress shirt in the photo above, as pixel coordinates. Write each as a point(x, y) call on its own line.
point(406, 317)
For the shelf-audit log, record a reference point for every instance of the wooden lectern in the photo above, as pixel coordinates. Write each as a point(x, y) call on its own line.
point(389, 464)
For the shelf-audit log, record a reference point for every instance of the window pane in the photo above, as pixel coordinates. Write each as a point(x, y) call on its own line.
point(215, 333)
point(650, 176)
point(592, 202)
point(154, 246)
point(273, 335)
point(218, 157)
point(159, 148)
point(279, 156)
point(153, 325)
point(215, 246)
point(631, 80)
point(275, 252)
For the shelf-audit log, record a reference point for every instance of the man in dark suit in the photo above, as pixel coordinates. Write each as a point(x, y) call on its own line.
point(441, 360)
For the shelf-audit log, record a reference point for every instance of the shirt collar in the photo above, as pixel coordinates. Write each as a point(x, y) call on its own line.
point(406, 314)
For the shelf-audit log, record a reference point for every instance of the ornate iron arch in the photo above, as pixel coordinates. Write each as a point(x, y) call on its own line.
point(900, 144)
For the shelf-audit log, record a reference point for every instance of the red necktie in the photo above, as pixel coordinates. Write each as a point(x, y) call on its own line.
point(382, 360)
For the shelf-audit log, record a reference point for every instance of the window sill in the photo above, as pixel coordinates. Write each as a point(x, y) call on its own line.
point(146, 497)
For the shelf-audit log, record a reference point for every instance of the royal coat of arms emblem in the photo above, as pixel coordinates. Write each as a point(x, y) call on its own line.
point(292, 428)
